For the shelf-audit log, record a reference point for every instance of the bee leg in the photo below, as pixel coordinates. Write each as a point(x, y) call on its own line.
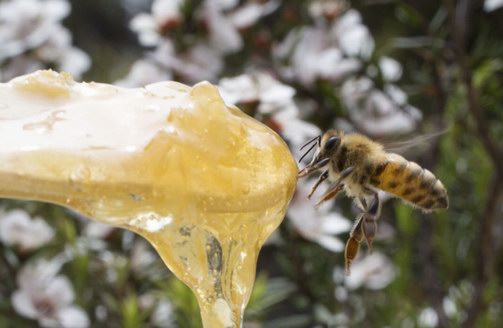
point(313, 167)
point(332, 191)
point(370, 217)
point(360, 203)
point(336, 187)
point(322, 178)
point(356, 236)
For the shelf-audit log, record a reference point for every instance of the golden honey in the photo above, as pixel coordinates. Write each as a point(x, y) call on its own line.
point(203, 182)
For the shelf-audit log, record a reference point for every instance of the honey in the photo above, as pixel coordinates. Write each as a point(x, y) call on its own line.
point(201, 181)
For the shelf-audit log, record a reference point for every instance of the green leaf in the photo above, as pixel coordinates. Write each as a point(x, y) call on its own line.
point(130, 312)
point(184, 301)
point(79, 269)
point(267, 293)
point(407, 219)
point(408, 15)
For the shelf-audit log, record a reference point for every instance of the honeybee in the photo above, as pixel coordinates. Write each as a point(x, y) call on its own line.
point(362, 167)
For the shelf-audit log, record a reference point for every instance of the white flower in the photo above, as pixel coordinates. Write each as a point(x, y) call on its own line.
point(491, 5)
point(223, 25)
point(353, 37)
point(55, 43)
point(327, 8)
point(58, 49)
point(318, 225)
point(239, 89)
point(74, 61)
point(379, 112)
point(314, 54)
point(224, 36)
point(273, 95)
point(450, 307)
point(26, 24)
point(373, 271)
point(428, 318)
point(149, 26)
point(19, 229)
point(167, 10)
point(35, 25)
point(47, 297)
point(201, 62)
point(147, 29)
point(144, 72)
point(293, 128)
point(390, 69)
point(274, 99)
point(251, 12)
point(261, 87)
point(316, 58)
point(341, 294)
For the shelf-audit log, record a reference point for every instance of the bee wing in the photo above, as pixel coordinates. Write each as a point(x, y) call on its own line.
point(412, 144)
point(410, 182)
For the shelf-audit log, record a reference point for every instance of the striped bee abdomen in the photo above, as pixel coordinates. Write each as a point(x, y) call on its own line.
point(410, 182)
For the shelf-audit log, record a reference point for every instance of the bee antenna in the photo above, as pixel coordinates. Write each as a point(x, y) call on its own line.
point(310, 141)
point(307, 152)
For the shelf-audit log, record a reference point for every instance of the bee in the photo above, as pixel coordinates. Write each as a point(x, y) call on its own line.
point(361, 167)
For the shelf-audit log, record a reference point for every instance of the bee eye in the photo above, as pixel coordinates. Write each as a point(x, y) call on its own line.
point(332, 143)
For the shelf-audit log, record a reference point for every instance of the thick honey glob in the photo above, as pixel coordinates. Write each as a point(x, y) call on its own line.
point(203, 182)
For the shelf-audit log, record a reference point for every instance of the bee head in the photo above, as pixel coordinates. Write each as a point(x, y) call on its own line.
point(329, 143)
point(326, 147)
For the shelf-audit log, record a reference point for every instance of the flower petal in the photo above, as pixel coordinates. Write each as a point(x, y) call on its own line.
point(60, 290)
point(167, 10)
point(331, 243)
point(239, 89)
point(72, 317)
point(373, 271)
point(249, 13)
point(22, 303)
point(224, 37)
point(390, 68)
point(12, 225)
point(491, 5)
point(335, 223)
point(56, 9)
point(74, 61)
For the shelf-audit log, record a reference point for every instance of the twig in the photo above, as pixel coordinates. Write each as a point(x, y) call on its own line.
point(431, 276)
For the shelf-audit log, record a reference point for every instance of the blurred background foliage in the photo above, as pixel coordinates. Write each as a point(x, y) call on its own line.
point(392, 69)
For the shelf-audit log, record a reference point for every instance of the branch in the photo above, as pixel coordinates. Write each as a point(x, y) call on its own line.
point(458, 18)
